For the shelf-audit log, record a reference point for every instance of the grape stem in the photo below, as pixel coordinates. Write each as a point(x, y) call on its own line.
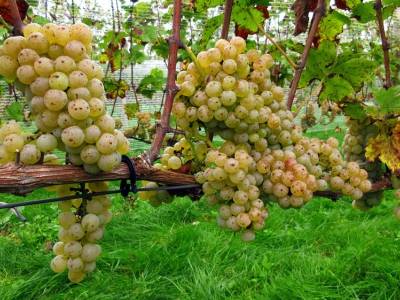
point(5, 25)
point(205, 139)
point(292, 64)
point(308, 98)
point(194, 60)
point(196, 158)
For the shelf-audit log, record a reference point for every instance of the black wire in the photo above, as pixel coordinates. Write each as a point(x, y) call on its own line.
point(77, 196)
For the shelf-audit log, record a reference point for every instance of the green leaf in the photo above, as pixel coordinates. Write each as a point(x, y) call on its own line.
point(136, 56)
point(157, 73)
point(332, 25)
point(355, 111)
point(307, 77)
point(130, 110)
point(149, 34)
point(210, 27)
point(346, 56)
point(364, 12)
point(152, 83)
point(3, 31)
point(335, 89)
point(389, 99)
point(356, 71)
point(389, 2)
point(161, 50)
point(322, 57)
point(243, 19)
point(352, 3)
point(15, 111)
point(40, 20)
point(260, 2)
point(203, 5)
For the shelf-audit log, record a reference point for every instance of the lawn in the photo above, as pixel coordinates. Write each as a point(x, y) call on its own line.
point(326, 250)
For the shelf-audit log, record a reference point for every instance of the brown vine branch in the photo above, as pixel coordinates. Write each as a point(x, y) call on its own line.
point(385, 45)
point(318, 13)
point(23, 179)
point(227, 19)
point(174, 41)
point(18, 25)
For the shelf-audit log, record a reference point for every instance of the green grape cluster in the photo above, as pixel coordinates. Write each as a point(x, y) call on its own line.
point(358, 134)
point(156, 197)
point(308, 119)
point(144, 129)
point(52, 67)
point(264, 157)
point(82, 226)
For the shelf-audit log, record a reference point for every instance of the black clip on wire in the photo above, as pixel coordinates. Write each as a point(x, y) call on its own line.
point(125, 186)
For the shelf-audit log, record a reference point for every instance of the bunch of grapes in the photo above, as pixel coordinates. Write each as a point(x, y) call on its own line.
point(51, 66)
point(144, 129)
point(156, 196)
point(264, 157)
point(82, 226)
point(355, 141)
point(308, 119)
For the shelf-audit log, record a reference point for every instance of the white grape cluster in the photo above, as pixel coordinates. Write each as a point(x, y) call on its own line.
point(354, 143)
point(156, 197)
point(172, 159)
point(82, 226)
point(236, 100)
point(264, 157)
point(52, 67)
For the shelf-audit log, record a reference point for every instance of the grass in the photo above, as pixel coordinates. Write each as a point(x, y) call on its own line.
point(326, 250)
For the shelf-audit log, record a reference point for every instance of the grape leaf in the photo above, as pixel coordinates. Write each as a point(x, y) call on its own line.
point(364, 12)
point(347, 4)
point(386, 147)
point(3, 31)
point(40, 20)
point(335, 89)
point(15, 111)
point(5, 10)
point(136, 56)
point(302, 9)
point(161, 50)
point(331, 25)
point(324, 56)
point(151, 83)
point(307, 77)
point(210, 27)
point(203, 5)
point(130, 110)
point(355, 111)
point(243, 19)
point(388, 101)
point(149, 33)
point(389, 2)
point(318, 62)
point(356, 71)
point(260, 2)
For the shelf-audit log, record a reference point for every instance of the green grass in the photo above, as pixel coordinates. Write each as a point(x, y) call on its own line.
point(326, 250)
